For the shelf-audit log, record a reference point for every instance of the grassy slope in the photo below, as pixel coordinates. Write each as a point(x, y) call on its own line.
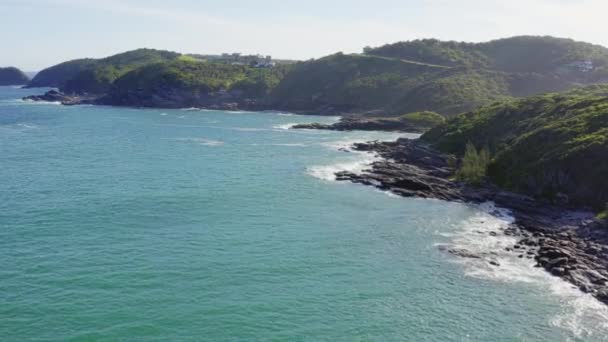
point(541, 145)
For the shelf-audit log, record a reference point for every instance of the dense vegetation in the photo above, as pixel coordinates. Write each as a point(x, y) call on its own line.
point(543, 145)
point(57, 75)
point(191, 81)
point(423, 75)
point(97, 75)
point(474, 165)
point(12, 76)
point(428, 119)
point(516, 54)
point(446, 77)
point(362, 83)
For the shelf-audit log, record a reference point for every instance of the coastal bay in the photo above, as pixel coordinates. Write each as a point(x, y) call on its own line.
point(173, 223)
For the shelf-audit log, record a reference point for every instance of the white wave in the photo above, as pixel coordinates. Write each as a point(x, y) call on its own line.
point(343, 145)
point(333, 119)
point(357, 162)
point(328, 172)
point(289, 145)
point(191, 109)
point(201, 141)
point(580, 314)
point(284, 126)
point(27, 126)
point(31, 102)
point(285, 114)
point(245, 129)
point(281, 144)
point(163, 114)
point(237, 112)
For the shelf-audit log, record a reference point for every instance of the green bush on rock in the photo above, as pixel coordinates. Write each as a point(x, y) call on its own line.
point(474, 165)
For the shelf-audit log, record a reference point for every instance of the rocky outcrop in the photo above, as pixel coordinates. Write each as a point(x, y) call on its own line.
point(178, 98)
point(171, 98)
point(567, 243)
point(361, 123)
point(57, 96)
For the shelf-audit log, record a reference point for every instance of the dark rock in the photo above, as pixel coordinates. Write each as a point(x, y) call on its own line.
point(367, 123)
point(463, 253)
point(558, 271)
point(557, 262)
point(57, 96)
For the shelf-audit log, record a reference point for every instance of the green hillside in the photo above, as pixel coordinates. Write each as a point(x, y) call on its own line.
point(516, 54)
point(12, 76)
point(191, 82)
point(360, 83)
point(422, 75)
point(542, 145)
point(57, 75)
point(97, 75)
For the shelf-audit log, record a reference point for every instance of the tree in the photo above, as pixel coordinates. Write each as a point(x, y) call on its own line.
point(474, 164)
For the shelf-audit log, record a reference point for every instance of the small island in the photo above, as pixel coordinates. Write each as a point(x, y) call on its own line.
point(12, 76)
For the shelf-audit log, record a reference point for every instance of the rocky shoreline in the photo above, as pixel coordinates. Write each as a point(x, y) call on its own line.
point(568, 243)
point(220, 100)
point(358, 123)
point(64, 99)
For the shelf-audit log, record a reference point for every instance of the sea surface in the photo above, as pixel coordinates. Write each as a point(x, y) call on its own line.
point(121, 224)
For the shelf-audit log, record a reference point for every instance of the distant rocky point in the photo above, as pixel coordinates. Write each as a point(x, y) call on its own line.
point(12, 76)
point(57, 96)
point(417, 122)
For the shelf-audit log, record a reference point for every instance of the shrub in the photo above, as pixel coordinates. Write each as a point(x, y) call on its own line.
point(604, 214)
point(474, 164)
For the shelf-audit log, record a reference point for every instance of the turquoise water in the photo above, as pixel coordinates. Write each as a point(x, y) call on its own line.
point(174, 225)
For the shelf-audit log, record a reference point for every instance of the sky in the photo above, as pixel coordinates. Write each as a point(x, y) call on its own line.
point(40, 33)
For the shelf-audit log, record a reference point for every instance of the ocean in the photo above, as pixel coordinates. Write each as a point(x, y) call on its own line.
point(122, 224)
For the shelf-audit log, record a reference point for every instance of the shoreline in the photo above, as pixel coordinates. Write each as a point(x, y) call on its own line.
point(568, 243)
point(246, 105)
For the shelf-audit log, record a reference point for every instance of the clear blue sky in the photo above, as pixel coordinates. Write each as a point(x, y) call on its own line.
point(40, 33)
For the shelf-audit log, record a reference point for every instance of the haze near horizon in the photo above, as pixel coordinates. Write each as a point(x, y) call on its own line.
point(53, 31)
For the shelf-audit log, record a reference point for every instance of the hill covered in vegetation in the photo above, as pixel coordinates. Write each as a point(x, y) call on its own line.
point(12, 76)
point(351, 83)
point(97, 75)
point(548, 145)
point(516, 54)
point(424, 75)
point(186, 83)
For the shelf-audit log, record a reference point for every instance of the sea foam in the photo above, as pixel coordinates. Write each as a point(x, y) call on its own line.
point(356, 162)
point(201, 141)
point(483, 234)
point(284, 126)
